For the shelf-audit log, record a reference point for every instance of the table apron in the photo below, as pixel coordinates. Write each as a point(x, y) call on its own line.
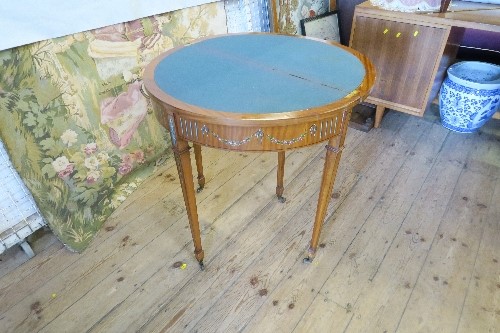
point(261, 138)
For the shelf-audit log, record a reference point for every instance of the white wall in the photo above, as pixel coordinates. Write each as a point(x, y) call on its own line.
point(28, 21)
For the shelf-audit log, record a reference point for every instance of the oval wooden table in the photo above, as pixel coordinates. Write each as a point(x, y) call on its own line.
point(257, 92)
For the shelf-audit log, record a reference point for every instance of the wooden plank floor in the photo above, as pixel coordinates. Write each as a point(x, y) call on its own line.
point(411, 243)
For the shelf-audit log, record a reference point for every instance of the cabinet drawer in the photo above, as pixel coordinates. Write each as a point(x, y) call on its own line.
point(405, 55)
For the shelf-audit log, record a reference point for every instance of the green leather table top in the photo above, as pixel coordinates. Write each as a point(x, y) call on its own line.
point(259, 73)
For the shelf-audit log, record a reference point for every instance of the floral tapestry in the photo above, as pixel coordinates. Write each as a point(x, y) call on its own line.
point(76, 123)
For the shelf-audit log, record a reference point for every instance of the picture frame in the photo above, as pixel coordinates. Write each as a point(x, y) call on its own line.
point(324, 26)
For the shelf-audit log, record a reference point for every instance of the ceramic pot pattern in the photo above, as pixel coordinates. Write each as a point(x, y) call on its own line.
point(465, 105)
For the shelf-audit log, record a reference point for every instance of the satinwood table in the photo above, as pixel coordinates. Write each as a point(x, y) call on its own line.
point(257, 92)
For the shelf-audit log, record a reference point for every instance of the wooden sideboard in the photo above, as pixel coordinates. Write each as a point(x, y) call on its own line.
point(412, 51)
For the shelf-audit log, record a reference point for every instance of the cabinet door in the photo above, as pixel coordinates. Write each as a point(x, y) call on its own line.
point(406, 57)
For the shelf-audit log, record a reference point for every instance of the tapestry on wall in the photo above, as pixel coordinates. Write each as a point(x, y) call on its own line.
point(75, 121)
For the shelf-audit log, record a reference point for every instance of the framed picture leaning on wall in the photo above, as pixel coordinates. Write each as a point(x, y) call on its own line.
point(324, 26)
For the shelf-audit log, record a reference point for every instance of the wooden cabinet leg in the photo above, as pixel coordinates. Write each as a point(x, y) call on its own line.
point(280, 176)
point(379, 113)
point(180, 148)
point(333, 153)
point(444, 6)
point(199, 167)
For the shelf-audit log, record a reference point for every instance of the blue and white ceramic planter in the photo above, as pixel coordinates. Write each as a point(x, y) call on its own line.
point(469, 96)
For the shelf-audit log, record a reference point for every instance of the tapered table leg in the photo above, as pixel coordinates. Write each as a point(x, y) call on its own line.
point(180, 148)
point(280, 176)
point(199, 167)
point(333, 153)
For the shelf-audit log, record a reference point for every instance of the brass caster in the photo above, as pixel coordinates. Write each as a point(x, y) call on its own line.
point(281, 199)
point(202, 266)
point(199, 189)
point(307, 260)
